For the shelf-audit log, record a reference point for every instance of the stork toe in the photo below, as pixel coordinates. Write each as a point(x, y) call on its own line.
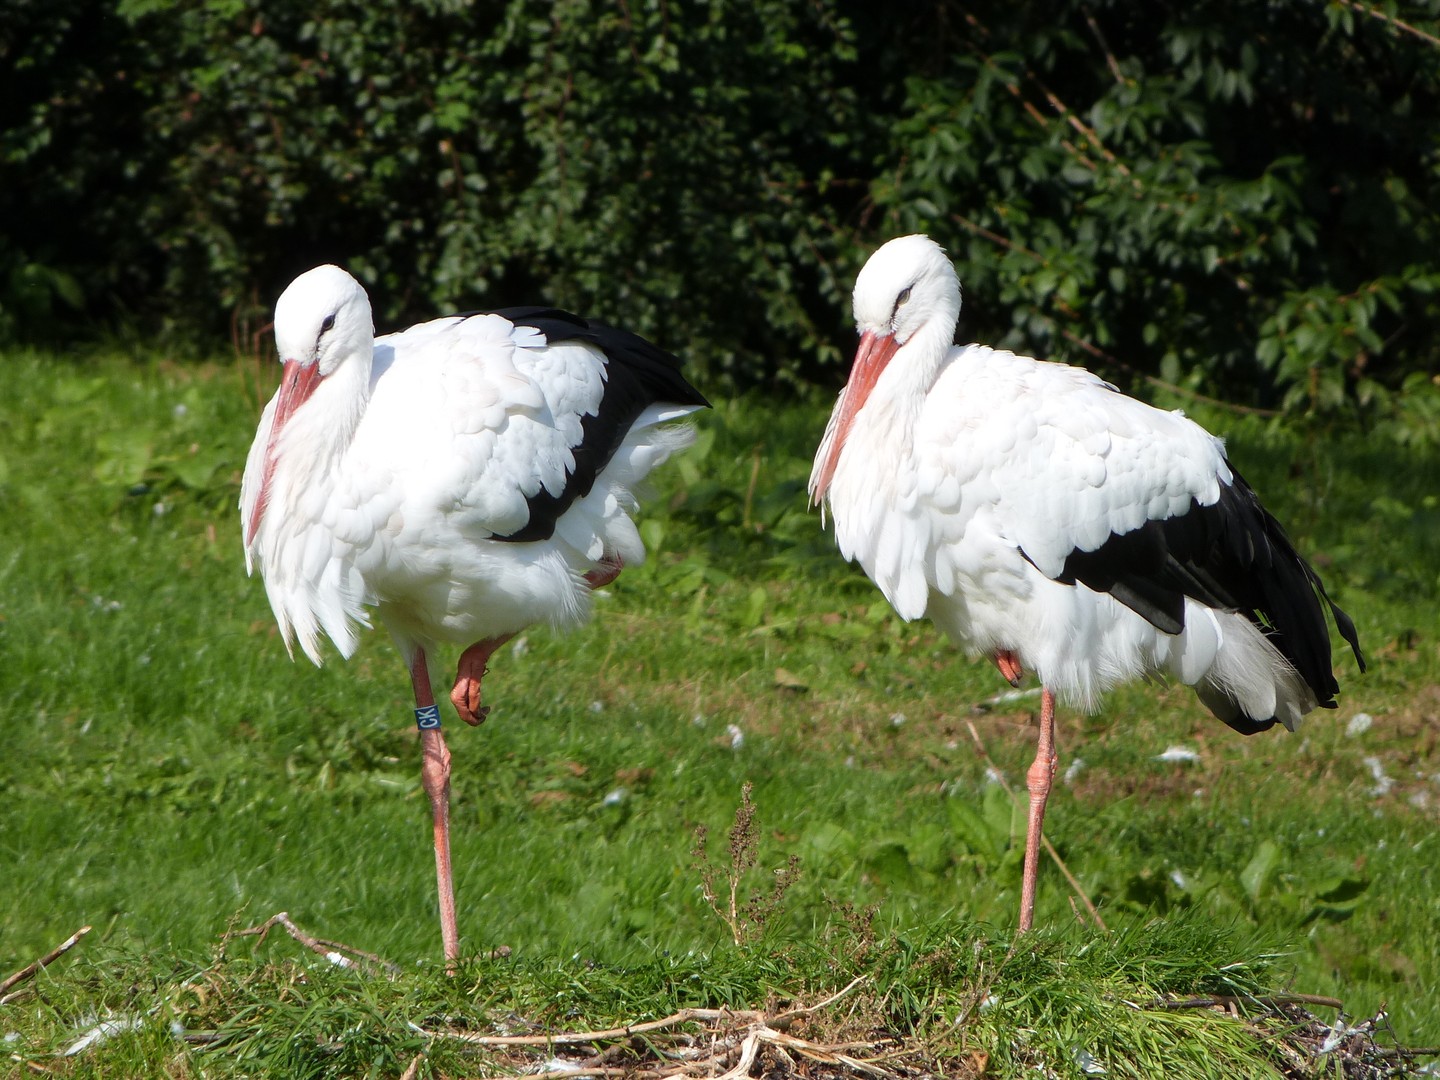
point(465, 696)
point(606, 571)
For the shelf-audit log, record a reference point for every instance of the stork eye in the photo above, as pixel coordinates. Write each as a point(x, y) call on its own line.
point(329, 324)
point(903, 298)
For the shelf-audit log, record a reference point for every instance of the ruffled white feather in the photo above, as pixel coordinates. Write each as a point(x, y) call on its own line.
point(412, 454)
point(971, 473)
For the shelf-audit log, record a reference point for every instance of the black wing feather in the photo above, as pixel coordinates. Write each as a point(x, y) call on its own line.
point(1233, 556)
point(638, 374)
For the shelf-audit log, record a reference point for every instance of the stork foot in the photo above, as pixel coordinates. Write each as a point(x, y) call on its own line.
point(1009, 665)
point(465, 694)
point(605, 572)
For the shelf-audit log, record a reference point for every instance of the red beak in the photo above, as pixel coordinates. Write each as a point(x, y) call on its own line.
point(297, 382)
point(873, 353)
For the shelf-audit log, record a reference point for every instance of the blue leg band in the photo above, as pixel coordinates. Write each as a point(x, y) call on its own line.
point(427, 718)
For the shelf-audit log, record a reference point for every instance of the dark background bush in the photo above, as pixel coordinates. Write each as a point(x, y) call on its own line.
point(1239, 198)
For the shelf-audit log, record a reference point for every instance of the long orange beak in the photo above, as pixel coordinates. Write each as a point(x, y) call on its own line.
point(297, 382)
point(871, 356)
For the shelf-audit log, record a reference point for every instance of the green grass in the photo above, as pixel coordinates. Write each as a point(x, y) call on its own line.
point(963, 998)
point(166, 771)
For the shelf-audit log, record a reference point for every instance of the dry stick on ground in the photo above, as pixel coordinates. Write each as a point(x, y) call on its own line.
point(706, 1061)
point(1000, 779)
point(30, 970)
point(684, 1016)
point(1212, 1000)
point(727, 1049)
point(333, 951)
point(1302, 1037)
point(568, 1038)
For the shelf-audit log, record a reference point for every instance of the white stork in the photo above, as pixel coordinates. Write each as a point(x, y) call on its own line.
point(466, 478)
point(1040, 517)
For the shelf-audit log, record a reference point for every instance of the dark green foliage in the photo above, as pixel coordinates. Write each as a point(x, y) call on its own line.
point(1218, 194)
point(665, 166)
point(1238, 199)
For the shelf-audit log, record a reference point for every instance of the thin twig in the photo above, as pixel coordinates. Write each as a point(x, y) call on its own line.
point(206, 1038)
point(566, 1038)
point(1066, 113)
point(1110, 61)
point(1409, 1051)
point(995, 238)
point(1376, 13)
point(1154, 380)
point(727, 1049)
point(30, 970)
point(786, 1018)
point(334, 951)
point(746, 522)
point(748, 1049)
point(1229, 999)
point(828, 1054)
point(1055, 855)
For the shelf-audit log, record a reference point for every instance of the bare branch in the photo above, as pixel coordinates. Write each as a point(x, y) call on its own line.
point(1155, 380)
point(727, 1045)
point(1213, 1000)
point(1110, 61)
point(30, 970)
point(334, 951)
point(1376, 13)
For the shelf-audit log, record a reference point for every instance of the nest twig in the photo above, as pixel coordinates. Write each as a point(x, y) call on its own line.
point(724, 1044)
point(1301, 1041)
point(336, 952)
point(29, 971)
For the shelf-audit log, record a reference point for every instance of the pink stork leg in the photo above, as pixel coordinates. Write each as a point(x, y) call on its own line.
point(435, 778)
point(1038, 780)
point(435, 767)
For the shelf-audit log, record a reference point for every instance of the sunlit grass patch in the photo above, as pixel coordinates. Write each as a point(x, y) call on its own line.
point(164, 766)
point(1171, 998)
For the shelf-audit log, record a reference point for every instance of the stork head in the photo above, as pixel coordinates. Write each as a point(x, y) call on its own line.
point(907, 284)
point(321, 320)
point(323, 317)
point(906, 287)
